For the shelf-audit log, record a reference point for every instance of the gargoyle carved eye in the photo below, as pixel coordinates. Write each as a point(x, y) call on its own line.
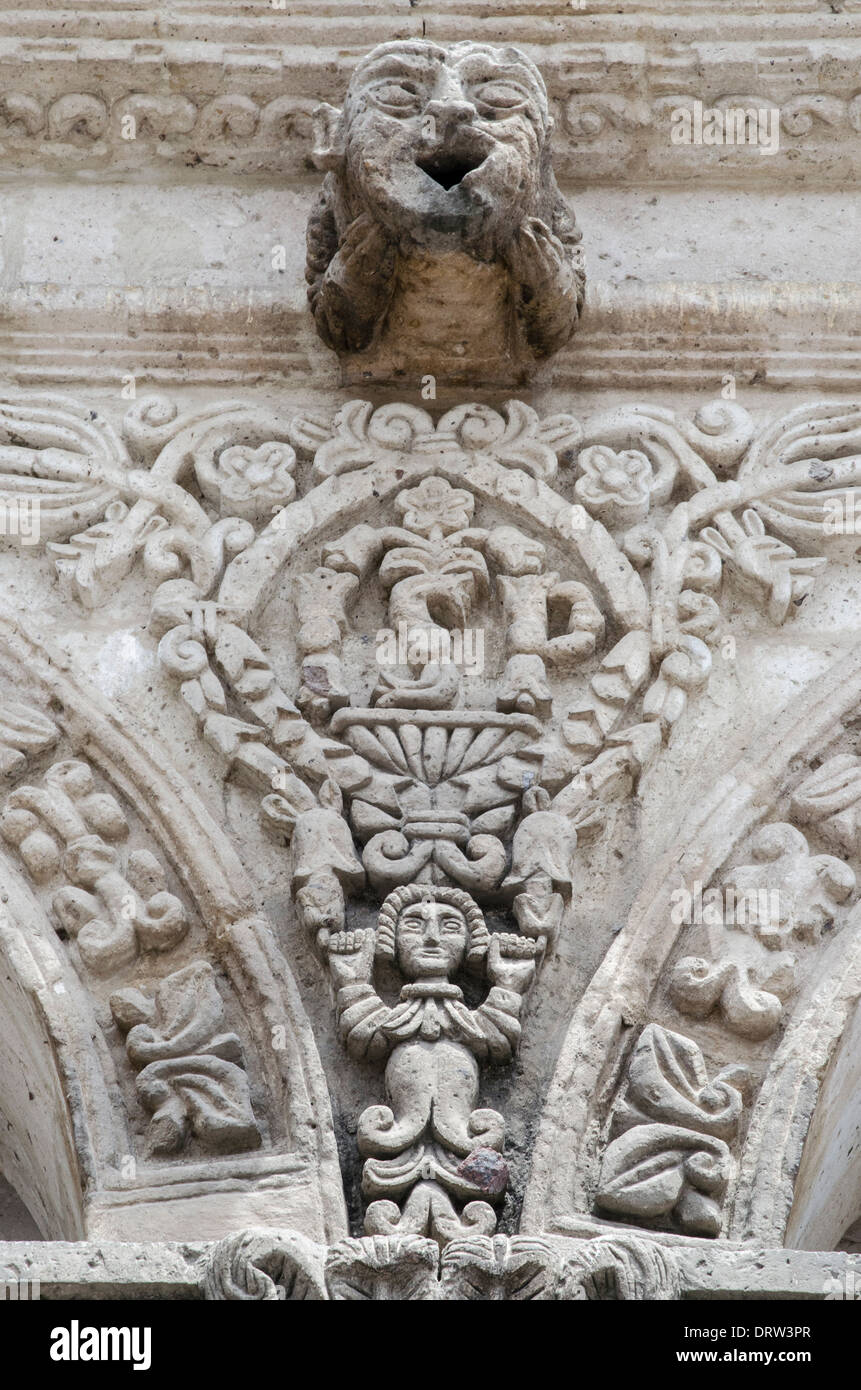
point(500, 96)
point(399, 97)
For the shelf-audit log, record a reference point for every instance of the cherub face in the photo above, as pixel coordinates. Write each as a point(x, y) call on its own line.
point(446, 143)
point(431, 940)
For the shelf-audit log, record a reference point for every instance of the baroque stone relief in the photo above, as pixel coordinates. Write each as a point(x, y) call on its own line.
point(670, 1153)
point(432, 1143)
point(771, 1001)
point(190, 1076)
point(785, 897)
point(435, 663)
point(668, 1160)
point(423, 786)
point(271, 1265)
point(140, 967)
point(98, 109)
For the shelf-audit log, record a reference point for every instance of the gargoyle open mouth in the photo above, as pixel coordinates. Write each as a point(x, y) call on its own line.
point(449, 170)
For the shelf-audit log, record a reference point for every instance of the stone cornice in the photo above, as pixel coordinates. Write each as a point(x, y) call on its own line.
point(234, 91)
point(348, 22)
point(640, 335)
point(136, 1270)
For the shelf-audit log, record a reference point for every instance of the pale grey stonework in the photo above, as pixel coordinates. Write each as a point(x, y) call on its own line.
point(430, 780)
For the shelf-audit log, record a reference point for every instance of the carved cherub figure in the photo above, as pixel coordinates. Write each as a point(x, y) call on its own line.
point(430, 1143)
point(441, 150)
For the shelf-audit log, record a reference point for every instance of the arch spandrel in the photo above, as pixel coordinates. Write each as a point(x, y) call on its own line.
point(788, 1056)
point(131, 910)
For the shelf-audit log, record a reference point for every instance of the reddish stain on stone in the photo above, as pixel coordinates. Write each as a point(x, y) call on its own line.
point(486, 1169)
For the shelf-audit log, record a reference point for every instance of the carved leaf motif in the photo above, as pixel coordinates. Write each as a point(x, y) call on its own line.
point(24, 732)
point(783, 894)
point(807, 470)
point(360, 434)
point(188, 1011)
point(58, 464)
point(153, 421)
point(787, 890)
point(167, 521)
point(766, 564)
point(515, 436)
point(620, 1268)
point(261, 1265)
point(671, 1154)
point(656, 1169)
point(649, 1185)
point(668, 1081)
point(495, 1268)
point(382, 1267)
point(697, 986)
point(429, 1210)
point(206, 1096)
point(191, 1078)
point(310, 432)
point(720, 432)
point(830, 798)
point(111, 911)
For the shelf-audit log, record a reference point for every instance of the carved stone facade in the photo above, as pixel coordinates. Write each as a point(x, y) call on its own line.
point(430, 779)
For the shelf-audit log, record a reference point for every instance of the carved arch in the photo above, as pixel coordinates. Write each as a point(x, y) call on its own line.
point(59, 1127)
point(800, 1178)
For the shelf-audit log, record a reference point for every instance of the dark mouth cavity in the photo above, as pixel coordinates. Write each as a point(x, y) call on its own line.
point(448, 170)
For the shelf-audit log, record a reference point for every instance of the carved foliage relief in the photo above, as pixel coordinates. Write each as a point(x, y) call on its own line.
point(107, 896)
point(497, 624)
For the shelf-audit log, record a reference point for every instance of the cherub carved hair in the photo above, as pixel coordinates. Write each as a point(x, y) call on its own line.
point(400, 898)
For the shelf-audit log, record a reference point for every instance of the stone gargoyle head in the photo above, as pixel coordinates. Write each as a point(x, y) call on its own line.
point(440, 218)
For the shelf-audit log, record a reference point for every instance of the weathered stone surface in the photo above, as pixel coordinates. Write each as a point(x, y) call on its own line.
point(273, 1265)
point(429, 775)
point(440, 237)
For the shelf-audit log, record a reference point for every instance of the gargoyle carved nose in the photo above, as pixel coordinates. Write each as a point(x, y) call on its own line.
point(449, 111)
point(445, 167)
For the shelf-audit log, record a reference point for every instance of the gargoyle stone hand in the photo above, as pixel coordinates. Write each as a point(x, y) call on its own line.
point(549, 285)
point(357, 286)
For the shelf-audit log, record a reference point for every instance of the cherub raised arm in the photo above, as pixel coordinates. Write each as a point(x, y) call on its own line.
point(351, 957)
